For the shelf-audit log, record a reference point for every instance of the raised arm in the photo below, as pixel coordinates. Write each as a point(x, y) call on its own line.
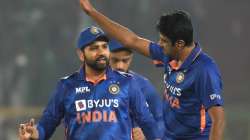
point(117, 31)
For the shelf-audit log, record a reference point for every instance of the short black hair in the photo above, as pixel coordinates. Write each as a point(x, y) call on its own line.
point(176, 25)
point(123, 49)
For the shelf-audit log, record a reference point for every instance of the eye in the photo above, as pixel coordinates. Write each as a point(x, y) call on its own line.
point(125, 60)
point(115, 60)
point(93, 47)
point(163, 40)
point(105, 46)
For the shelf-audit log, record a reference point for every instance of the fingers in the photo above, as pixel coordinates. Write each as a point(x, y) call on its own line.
point(32, 122)
point(30, 128)
point(138, 134)
point(27, 129)
point(22, 129)
point(86, 6)
point(23, 134)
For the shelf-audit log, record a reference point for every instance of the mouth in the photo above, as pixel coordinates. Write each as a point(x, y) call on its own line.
point(102, 60)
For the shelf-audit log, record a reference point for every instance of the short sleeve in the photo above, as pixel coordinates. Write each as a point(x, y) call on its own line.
point(156, 54)
point(210, 86)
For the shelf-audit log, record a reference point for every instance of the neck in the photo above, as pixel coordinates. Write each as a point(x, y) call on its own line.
point(94, 74)
point(184, 53)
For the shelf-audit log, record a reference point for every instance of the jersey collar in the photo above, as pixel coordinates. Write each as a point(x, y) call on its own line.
point(82, 76)
point(189, 60)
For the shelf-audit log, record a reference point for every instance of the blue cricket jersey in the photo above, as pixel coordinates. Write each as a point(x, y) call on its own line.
point(189, 92)
point(153, 100)
point(97, 111)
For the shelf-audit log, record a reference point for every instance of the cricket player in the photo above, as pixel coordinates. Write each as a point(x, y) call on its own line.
point(94, 102)
point(193, 107)
point(120, 59)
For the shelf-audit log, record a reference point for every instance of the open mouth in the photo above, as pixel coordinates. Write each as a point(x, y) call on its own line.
point(101, 60)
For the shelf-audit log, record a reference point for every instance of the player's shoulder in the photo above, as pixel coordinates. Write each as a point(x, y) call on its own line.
point(206, 65)
point(125, 77)
point(71, 78)
point(205, 61)
point(139, 77)
point(121, 74)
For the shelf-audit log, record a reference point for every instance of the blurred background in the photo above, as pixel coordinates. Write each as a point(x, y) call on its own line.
point(38, 39)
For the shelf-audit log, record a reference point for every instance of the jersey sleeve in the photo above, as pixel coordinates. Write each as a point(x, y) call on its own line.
point(156, 54)
point(141, 112)
point(210, 86)
point(52, 114)
point(154, 102)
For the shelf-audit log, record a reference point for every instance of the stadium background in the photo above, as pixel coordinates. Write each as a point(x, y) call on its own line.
point(37, 40)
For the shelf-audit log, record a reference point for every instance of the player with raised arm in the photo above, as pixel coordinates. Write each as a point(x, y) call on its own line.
point(193, 107)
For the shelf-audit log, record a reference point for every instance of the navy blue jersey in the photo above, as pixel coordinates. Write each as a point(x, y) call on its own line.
point(189, 92)
point(153, 100)
point(97, 111)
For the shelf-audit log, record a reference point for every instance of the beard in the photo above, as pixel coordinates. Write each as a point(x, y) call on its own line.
point(96, 65)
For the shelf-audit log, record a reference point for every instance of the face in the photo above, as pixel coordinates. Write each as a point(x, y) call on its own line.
point(169, 48)
point(121, 60)
point(96, 55)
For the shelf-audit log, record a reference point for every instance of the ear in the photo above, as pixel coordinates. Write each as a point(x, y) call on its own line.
point(80, 54)
point(180, 43)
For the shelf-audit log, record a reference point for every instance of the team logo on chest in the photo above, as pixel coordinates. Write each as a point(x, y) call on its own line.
point(180, 77)
point(114, 88)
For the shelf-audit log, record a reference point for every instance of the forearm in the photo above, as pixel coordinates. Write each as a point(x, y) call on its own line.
point(122, 34)
point(217, 130)
point(114, 29)
point(218, 122)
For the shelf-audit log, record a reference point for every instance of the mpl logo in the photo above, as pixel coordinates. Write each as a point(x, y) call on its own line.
point(82, 90)
point(80, 105)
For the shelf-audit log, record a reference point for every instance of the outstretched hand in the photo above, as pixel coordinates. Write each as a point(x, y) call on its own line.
point(86, 6)
point(28, 131)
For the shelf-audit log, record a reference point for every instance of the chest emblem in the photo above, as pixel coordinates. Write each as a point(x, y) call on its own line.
point(180, 77)
point(114, 89)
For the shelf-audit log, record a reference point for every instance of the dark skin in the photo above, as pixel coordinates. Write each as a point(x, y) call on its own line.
point(218, 122)
point(177, 50)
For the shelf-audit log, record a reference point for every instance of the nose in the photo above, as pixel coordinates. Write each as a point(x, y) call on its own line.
point(120, 66)
point(102, 52)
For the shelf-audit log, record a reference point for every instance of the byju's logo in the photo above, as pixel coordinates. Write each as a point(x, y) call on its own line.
point(80, 105)
point(82, 90)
